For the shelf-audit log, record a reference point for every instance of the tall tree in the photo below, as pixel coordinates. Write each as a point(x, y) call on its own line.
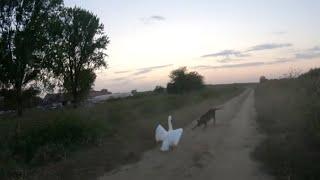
point(23, 34)
point(78, 51)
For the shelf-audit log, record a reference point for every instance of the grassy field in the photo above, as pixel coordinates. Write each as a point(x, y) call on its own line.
point(287, 113)
point(84, 143)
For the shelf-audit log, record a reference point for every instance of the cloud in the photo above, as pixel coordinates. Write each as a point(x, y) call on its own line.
point(316, 48)
point(156, 67)
point(152, 19)
point(280, 32)
point(280, 60)
point(138, 72)
point(149, 69)
point(249, 64)
point(236, 53)
point(125, 80)
point(119, 79)
point(228, 60)
point(225, 53)
point(229, 65)
point(143, 71)
point(122, 72)
point(309, 53)
point(304, 55)
point(158, 18)
point(268, 46)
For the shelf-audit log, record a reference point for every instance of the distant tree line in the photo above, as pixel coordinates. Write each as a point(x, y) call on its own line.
point(43, 41)
point(45, 45)
point(159, 89)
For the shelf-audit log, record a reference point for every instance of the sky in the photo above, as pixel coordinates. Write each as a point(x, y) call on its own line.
point(227, 41)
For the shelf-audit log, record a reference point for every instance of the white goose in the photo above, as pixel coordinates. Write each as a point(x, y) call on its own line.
point(169, 138)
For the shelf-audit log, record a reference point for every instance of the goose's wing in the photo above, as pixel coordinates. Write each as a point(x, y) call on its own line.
point(174, 136)
point(160, 133)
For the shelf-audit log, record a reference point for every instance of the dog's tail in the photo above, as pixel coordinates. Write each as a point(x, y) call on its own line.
point(218, 108)
point(196, 125)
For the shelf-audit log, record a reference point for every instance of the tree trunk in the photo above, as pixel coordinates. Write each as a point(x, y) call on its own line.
point(75, 98)
point(75, 104)
point(75, 92)
point(19, 111)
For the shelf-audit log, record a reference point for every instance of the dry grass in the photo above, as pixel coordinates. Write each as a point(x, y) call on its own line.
point(290, 149)
point(128, 124)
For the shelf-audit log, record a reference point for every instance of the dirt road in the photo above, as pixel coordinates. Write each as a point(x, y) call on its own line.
point(221, 152)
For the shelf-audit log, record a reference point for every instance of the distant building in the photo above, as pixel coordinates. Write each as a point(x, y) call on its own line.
point(59, 100)
point(94, 93)
point(101, 98)
point(55, 100)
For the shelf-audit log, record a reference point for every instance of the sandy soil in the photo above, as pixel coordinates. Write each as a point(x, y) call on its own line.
point(220, 152)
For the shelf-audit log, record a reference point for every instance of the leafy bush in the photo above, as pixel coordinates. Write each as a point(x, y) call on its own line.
point(263, 79)
point(182, 81)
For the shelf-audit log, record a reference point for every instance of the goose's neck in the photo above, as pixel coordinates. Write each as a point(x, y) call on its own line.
point(170, 123)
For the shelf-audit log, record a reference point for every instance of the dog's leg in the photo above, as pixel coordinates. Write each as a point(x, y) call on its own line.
point(214, 119)
point(205, 125)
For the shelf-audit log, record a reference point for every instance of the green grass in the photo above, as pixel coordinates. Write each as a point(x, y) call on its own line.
point(118, 130)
